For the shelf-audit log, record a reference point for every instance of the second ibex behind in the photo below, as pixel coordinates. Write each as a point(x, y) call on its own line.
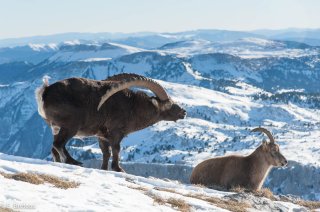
point(248, 172)
point(106, 109)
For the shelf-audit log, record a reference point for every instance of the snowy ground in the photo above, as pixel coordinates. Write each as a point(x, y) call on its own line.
point(110, 191)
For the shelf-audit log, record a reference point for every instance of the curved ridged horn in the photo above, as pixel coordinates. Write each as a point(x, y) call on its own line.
point(120, 77)
point(134, 81)
point(267, 132)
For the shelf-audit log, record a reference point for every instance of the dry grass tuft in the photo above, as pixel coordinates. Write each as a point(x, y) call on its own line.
point(264, 192)
point(58, 182)
point(25, 177)
point(238, 189)
point(312, 205)
point(166, 189)
point(231, 205)
point(267, 193)
point(2, 209)
point(179, 204)
point(236, 206)
point(140, 188)
point(157, 199)
point(129, 179)
point(37, 179)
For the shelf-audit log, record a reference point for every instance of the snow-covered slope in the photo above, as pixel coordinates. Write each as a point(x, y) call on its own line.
point(32, 53)
point(244, 48)
point(225, 95)
point(109, 191)
point(220, 123)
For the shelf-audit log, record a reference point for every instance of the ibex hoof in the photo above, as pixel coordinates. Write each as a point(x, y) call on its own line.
point(118, 169)
point(74, 162)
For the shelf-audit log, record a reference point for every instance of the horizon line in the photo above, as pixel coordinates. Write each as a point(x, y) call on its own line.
point(158, 32)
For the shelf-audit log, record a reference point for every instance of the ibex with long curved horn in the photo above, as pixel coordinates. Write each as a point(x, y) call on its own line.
point(248, 172)
point(106, 109)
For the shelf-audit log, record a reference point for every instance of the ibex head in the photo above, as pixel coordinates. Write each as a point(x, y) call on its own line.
point(169, 111)
point(271, 149)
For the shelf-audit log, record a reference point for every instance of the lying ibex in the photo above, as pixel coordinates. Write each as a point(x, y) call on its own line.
point(248, 172)
point(106, 109)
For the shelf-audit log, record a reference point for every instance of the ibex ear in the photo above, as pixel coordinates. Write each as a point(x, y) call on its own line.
point(155, 102)
point(264, 144)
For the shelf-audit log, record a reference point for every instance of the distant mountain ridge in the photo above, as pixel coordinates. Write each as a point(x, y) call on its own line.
point(155, 39)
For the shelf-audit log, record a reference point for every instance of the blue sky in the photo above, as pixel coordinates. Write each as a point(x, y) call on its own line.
point(20, 18)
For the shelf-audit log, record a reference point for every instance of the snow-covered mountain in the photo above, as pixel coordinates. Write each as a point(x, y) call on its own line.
point(150, 40)
point(32, 53)
point(75, 51)
point(147, 40)
point(227, 87)
point(244, 48)
point(308, 36)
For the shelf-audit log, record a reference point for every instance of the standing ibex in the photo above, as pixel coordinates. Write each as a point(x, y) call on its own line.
point(248, 172)
point(106, 109)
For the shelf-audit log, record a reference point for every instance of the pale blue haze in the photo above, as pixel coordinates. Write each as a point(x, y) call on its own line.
point(19, 18)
